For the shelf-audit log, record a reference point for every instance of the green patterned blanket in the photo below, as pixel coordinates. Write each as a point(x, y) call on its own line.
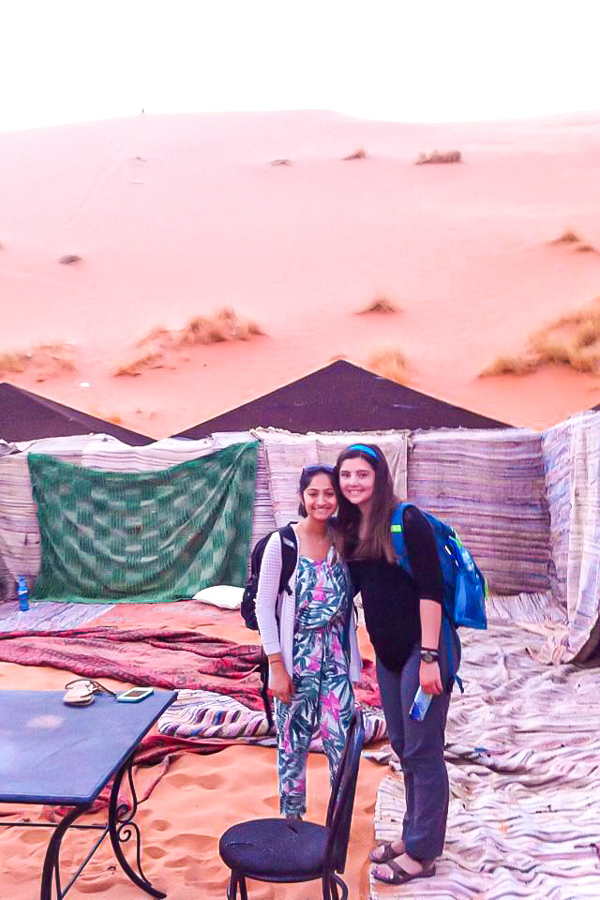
point(145, 537)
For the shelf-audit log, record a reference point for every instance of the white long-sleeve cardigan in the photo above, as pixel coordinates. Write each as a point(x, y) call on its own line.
point(276, 612)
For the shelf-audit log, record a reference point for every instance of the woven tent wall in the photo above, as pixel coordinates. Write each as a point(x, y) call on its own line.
point(528, 505)
point(572, 460)
point(287, 454)
point(19, 530)
point(490, 485)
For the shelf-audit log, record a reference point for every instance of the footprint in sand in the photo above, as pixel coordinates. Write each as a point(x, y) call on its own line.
point(197, 843)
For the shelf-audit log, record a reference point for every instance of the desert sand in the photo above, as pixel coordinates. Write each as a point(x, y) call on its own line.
point(170, 218)
point(176, 217)
point(182, 820)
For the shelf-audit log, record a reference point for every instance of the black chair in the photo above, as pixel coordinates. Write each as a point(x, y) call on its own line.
point(290, 850)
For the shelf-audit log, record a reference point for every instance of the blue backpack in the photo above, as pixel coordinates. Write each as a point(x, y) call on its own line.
point(465, 588)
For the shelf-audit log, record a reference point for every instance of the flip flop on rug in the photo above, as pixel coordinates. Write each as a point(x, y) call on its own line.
point(384, 852)
point(401, 876)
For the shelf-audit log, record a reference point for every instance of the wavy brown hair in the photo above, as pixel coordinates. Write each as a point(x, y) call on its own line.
point(378, 543)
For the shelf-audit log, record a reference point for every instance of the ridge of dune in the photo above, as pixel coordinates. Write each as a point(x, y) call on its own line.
point(178, 216)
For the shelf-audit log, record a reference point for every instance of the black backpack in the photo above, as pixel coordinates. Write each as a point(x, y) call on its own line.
point(289, 555)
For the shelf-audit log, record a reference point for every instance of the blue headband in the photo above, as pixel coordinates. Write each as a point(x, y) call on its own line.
point(364, 449)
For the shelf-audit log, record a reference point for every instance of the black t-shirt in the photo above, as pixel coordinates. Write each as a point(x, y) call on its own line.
point(391, 596)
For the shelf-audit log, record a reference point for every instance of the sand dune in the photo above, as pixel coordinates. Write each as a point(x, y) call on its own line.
point(175, 217)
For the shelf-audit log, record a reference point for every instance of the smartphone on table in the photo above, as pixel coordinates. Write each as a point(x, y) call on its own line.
point(135, 694)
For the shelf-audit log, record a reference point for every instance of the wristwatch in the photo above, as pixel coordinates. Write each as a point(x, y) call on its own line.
point(429, 656)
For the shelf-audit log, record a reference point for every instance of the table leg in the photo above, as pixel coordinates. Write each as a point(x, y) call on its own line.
point(122, 828)
point(51, 870)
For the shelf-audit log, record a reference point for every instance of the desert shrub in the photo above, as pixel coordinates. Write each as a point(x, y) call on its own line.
point(45, 360)
point(380, 305)
point(12, 363)
point(360, 153)
point(585, 248)
point(223, 325)
point(567, 237)
point(572, 340)
point(137, 366)
point(68, 259)
point(452, 156)
point(281, 162)
point(390, 363)
point(508, 365)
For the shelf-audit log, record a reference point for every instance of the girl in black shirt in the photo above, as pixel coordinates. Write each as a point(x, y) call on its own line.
point(403, 615)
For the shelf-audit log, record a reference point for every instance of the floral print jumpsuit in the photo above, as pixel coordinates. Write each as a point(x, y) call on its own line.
point(323, 699)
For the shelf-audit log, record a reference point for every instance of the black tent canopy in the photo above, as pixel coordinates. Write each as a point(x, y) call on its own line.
point(343, 397)
point(25, 416)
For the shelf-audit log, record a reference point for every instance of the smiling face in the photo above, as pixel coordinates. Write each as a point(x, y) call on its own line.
point(318, 497)
point(357, 481)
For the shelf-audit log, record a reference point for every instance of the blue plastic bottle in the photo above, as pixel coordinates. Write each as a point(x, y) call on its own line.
point(420, 705)
point(22, 593)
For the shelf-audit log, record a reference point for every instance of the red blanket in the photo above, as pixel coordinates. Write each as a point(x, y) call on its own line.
point(169, 659)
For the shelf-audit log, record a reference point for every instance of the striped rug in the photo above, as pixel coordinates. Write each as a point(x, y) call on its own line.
point(523, 746)
point(47, 616)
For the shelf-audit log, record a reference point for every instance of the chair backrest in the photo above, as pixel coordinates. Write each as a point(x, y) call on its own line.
point(341, 801)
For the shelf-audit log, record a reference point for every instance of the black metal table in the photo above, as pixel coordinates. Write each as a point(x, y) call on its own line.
point(61, 755)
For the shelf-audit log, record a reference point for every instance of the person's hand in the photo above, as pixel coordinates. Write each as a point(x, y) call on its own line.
point(282, 685)
point(430, 678)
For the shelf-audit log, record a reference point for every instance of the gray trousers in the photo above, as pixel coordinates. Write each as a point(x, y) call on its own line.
point(420, 748)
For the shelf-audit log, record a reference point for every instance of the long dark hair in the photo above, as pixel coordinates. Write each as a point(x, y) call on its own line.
point(378, 542)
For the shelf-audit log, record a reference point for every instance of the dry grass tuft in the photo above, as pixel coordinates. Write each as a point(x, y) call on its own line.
point(281, 162)
point(153, 360)
point(223, 325)
point(13, 363)
point(567, 237)
point(451, 156)
point(389, 363)
point(380, 305)
point(585, 248)
point(508, 365)
point(45, 360)
point(572, 341)
point(361, 153)
point(69, 259)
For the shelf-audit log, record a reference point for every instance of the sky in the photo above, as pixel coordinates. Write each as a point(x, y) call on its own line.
point(64, 61)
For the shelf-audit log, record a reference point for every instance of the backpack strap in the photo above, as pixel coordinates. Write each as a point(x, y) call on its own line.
point(448, 633)
point(398, 542)
point(289, 556)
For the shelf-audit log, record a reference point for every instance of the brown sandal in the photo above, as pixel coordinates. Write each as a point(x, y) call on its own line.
point(387, 852)
point(401, 876)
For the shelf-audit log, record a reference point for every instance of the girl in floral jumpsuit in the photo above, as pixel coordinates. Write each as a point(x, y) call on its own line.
point(309, 636)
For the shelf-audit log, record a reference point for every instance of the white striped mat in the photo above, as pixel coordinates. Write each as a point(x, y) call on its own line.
point(522, 753)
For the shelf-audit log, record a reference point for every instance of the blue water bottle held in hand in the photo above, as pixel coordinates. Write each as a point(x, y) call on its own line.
point(420, 705)
point(22, 593)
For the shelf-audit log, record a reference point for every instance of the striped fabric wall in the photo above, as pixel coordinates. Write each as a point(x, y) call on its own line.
point(490, 486)
point(287, 454)
point(556, 455)
point(583, 565)
point(19, 532)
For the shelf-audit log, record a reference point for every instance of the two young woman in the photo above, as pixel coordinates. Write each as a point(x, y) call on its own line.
point(313, 654)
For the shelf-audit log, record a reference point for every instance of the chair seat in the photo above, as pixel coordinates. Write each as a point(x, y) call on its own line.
point(275, 849)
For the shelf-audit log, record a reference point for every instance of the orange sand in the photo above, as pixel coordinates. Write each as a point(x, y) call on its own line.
point(181, 822)
point(178, 216)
